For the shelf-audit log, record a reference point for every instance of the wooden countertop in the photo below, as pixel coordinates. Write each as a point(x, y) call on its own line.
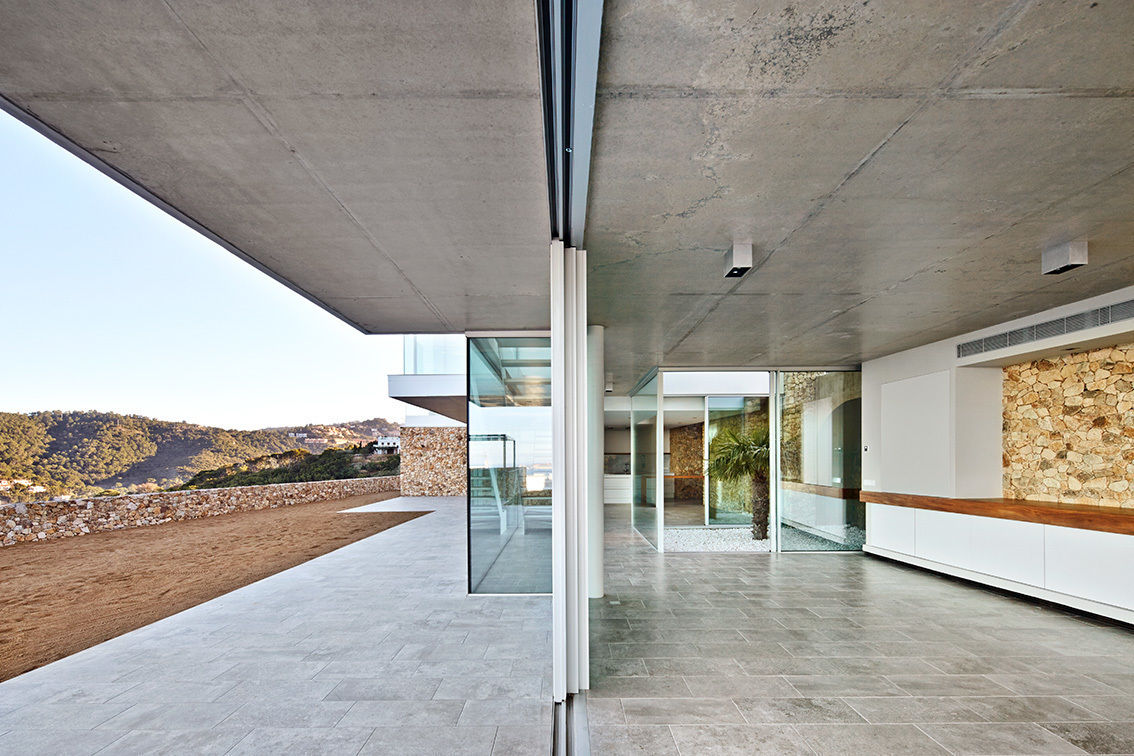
point(1083, 516)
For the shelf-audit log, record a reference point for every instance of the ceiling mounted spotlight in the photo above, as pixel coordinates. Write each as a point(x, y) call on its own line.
point(1064, 257)
point(738, 260)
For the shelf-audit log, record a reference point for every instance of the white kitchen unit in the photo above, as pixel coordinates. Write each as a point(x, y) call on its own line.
point(616, 489)
point(1085, 569)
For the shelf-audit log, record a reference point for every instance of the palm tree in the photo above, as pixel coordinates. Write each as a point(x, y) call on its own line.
point(739, 457)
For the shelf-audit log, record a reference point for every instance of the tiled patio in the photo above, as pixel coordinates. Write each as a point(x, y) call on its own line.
point(374, 648)
point(841, 653)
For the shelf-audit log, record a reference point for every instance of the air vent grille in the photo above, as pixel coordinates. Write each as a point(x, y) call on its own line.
point(1070, 324)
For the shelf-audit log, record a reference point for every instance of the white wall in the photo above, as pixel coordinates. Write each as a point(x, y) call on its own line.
point(920, 438)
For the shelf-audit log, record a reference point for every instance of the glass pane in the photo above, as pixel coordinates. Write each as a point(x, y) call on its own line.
point(433, 354)
point(684, 459)
point(735, 495)
point(820, 462)
point(509, 465)
point(643, 461)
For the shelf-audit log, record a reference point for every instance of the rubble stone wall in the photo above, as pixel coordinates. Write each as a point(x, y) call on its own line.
point(686, 450)
point(434, 461)
point(46, 520)
point(1069, 428)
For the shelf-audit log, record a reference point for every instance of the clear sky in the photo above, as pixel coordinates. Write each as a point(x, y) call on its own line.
point(109, 304)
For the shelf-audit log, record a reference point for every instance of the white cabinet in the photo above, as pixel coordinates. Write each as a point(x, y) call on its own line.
point(616, 489)
point(1010, 549)
point(1086, 569)
point(891, 528)
point(943, 537)
point(1090, 564)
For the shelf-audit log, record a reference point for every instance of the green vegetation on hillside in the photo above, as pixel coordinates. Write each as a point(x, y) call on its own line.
point(299, 466)
point(86, 452)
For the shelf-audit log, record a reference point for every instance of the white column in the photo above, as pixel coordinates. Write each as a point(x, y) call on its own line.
point(570, 616)
point(596, 393)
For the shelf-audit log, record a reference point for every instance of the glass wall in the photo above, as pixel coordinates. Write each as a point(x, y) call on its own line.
point(433, 354)
point(644, 461)
point(731, 500)
point(509, 499)
point(820, 461)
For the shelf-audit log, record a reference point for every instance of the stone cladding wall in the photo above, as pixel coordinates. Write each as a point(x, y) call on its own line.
point(434, 461)
point(686, 447)
point(1069, 428)
point(46, 520)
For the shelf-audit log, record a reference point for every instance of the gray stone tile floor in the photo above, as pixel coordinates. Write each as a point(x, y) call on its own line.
point(841, 653)
point(373, 648)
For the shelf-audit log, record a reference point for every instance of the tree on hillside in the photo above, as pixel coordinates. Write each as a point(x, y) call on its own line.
point(23, 440)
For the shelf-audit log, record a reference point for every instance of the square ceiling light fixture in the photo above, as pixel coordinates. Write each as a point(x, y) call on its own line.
point(738, 260)
point(1065, 257)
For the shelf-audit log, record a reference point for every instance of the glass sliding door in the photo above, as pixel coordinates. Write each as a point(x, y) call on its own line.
point(509, 497)
point(820, 462)
point(731, 500)
point(644, 514)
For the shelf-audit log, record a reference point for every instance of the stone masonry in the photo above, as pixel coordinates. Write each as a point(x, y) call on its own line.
point(46, 520)
point(1069, 428)
point(434, 461)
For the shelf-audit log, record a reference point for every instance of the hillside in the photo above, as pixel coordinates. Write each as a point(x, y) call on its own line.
point(81, 453)
point(298, 466)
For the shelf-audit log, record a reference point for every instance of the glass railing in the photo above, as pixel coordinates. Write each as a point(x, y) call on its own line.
point(433, 354)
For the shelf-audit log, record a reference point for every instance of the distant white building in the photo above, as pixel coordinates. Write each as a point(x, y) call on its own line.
point(387, 444)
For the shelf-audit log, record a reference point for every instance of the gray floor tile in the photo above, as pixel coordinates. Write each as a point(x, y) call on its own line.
point(738, 740)
point(402, 713)
point(908, 710)
point(417, 740)
point(146, 742)
point(70, 716)
point(844, 685)
point(1039, 684)
point(386, 689)
point(998, 738)
point(793, 710)
point(89, 692)
point(604, 711)
point(277, 690)
point(1096, 737)
point(1122, 681)
point(55, 742)
point(170, 716)
point(506, 712)
point(174, 692)
point(732, 687)
point(876, 740)
point(632, 740)
point(1114, 708)
point(639, 687)
point(681, 711)
point(522, 740)
point(513, 687)
point(1030, 709)
point(288, 714)
point(302, 741)
point(949, 685)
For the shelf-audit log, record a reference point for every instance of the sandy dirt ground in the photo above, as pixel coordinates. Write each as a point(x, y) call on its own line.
point(62, 596)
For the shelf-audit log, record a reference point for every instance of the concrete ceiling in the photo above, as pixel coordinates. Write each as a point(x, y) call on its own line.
point(898, 164)
point(384, 159)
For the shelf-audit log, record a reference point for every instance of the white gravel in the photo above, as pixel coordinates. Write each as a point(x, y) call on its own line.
point(713, 539)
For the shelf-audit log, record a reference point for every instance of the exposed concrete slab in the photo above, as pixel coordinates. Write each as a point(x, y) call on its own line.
point(387, 160)
point(899, 167)
point(898, 164)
